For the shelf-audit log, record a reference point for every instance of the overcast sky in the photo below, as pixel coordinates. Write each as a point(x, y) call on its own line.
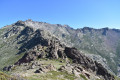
point(75, 13)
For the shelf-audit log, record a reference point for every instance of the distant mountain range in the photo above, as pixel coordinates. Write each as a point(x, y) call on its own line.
point(25, 42)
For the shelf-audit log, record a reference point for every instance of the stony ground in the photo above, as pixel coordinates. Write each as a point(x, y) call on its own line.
point(37, 71)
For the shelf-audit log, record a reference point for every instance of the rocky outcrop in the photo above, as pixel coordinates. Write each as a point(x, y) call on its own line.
point(20, 23)
point(72, 53)
point(77, 70)
point(44, 69)
point(56, 50)
point(31, 56)
point(39, 44)
point(102, 71)
point(88, 63)
point(79, 58)
point(8, 68)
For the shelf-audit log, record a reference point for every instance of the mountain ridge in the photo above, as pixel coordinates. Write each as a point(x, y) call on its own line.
point(68, 32)
point(98, 44)
point(46, 46)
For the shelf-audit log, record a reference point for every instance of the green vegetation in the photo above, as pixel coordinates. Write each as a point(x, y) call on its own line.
point(83, 76)
point(53, 75)
point(55, 62)
point(99, 79)
point(113, 67)
point(9, 51)
point(117, 78)
point(4, 76)
point(10, 57)
point(2, 30)
point(2, 45)
point(118, 50)
point(94, 44)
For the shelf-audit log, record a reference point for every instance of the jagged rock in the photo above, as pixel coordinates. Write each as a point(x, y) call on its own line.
point(30, 56)
point(76, 73)
point(20, 23)
point(61, 54)
point(8, 68)
point(75, 55)
point(41, 70)
point(105, 31)
point(71, 69)
point(12, 31)
point(88, 75)
point(44, 69)
point(32, 66)
point(51, 67)
point(88, 63)
point(56, 49)
point(38, 71)
point(102, 71)
point(66, 68)
point(5, 69)
point(75, 69)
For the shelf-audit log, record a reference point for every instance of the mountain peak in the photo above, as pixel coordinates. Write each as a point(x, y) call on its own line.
point(30, 20)
point(20, 23)
point(106, 28)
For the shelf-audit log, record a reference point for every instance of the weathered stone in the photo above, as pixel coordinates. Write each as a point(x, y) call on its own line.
point(30, 56)
point(44, 69)
point(102, 71)
point(8, 68)
point(75, 55)
point(88, 63)
point(51, 67)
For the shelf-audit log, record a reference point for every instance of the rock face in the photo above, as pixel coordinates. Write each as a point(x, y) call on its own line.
point(88, 63)
point(46, 69)
point(102, 71)
point(79, 58)
point(8, 68)
point(41, 45)
point(30, 56)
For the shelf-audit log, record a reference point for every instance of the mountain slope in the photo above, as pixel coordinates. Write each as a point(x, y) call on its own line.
point(25, 42)
point(38, 45)
point(103, 42)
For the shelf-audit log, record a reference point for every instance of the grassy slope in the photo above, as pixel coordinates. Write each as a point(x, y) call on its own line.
point(4, 76)
point(8, 49)
point(94, 44)
point(53, 75)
